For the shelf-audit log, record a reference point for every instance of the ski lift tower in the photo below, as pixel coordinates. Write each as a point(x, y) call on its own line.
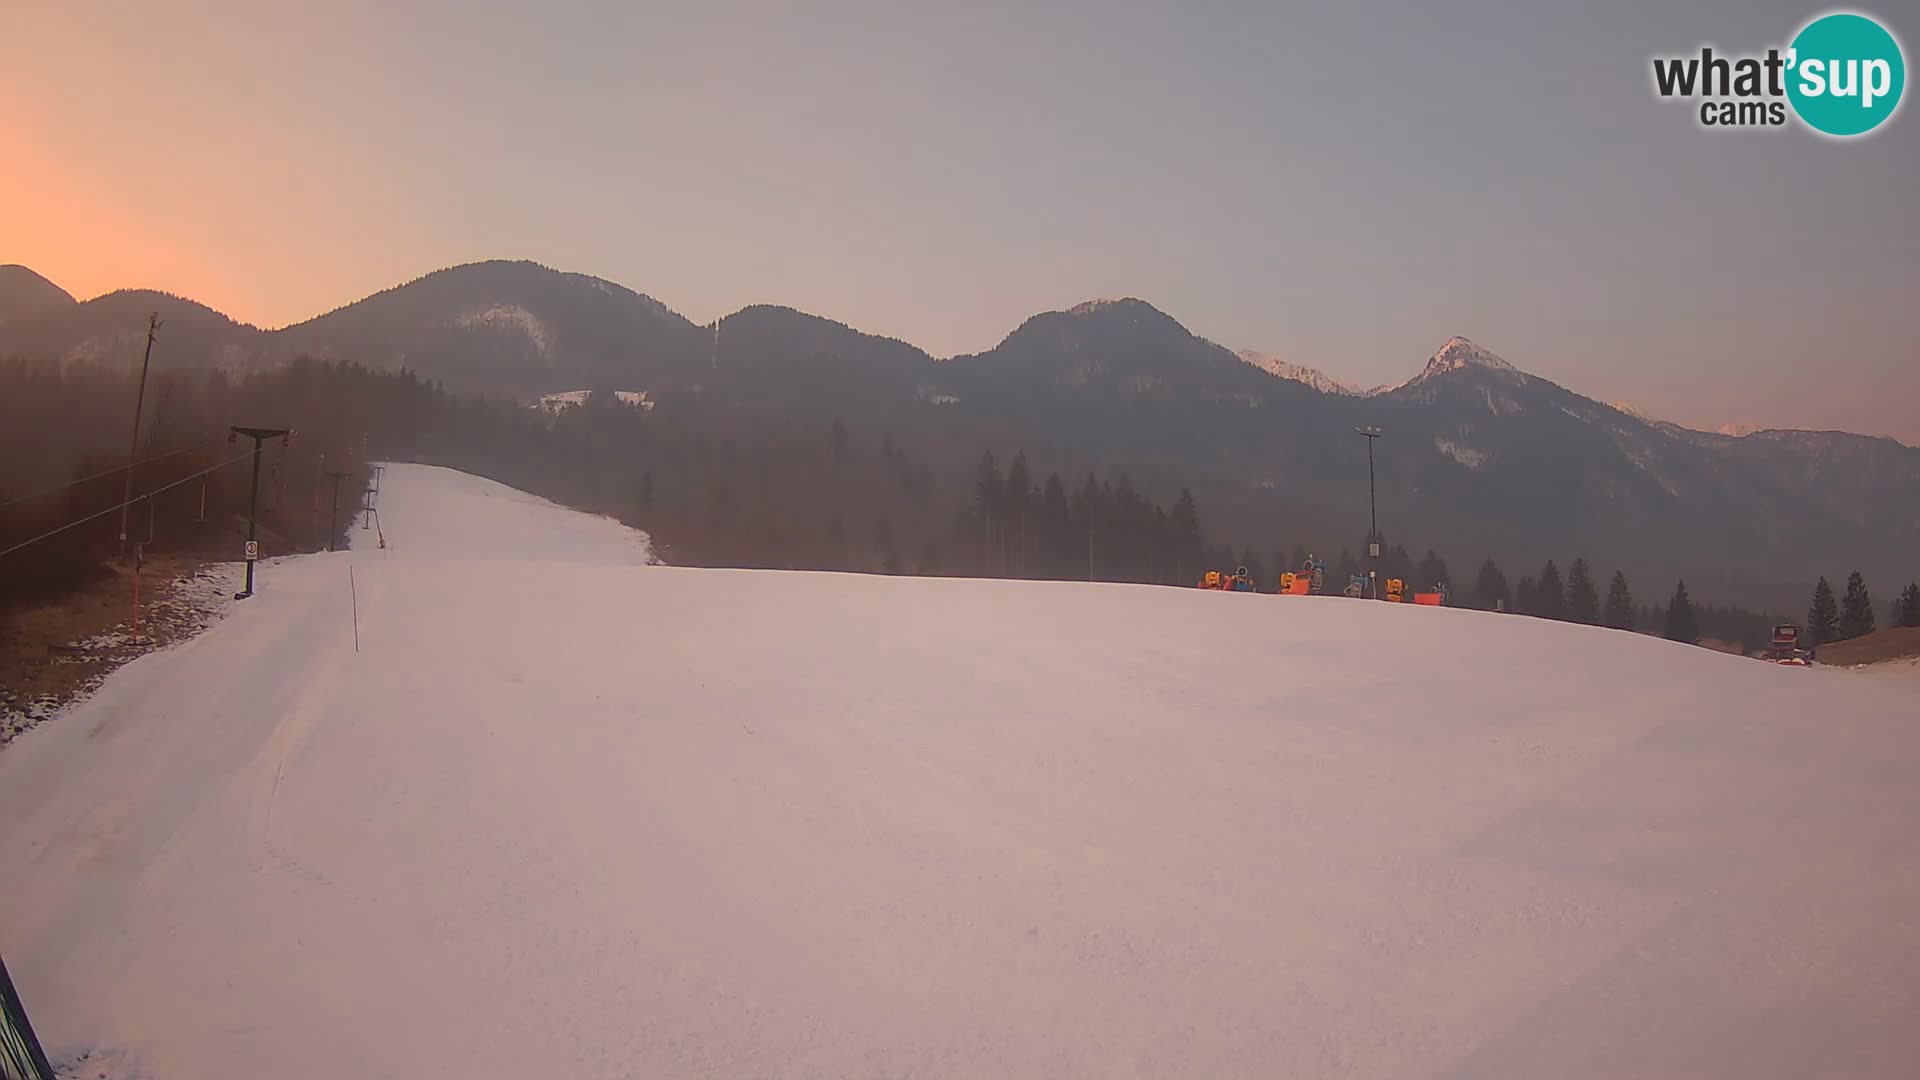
point(333, 527)
point(1373, 519)
point(259, 436)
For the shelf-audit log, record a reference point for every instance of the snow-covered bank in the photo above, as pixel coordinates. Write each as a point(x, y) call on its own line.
point(1897, 670)
point(185, 597)
point(566, 814)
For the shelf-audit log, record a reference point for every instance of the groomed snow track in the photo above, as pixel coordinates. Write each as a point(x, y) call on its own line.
point(568, 814)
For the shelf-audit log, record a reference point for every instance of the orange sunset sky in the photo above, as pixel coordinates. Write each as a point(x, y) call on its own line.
point(938, 174)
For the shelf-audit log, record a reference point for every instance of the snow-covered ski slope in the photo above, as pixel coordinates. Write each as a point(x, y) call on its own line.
point(565, 814)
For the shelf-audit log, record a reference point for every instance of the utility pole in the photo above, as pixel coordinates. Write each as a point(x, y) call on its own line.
point(133, 441)
point(1090, 507)
point(333, 528)
point(318, 540)
point(258, 435)
point(1373, 518)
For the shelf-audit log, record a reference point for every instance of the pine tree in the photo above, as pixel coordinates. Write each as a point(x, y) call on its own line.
point(1089, 518)
point(1680, 622)
point(1344, 570)
point(1058, 540)
point(1432, 571)
point(988, 493)
point(1549, 596)
point(1490, 593)
point(1016, 499)
point(1906, 607)
point(1823, 618)
point(1583, 602)
point(1856, 608)
point(1619, 613)
point(1523, 597)
point(1395, 562)
point(1185, 525)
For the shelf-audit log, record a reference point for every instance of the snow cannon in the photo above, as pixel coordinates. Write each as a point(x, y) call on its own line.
point(1211, 581)
point(1292, 584)
point(1396, 591)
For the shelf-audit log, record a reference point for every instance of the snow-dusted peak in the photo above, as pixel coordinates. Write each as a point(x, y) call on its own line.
point(1299, 373)
point(1459, 353)
point(1122, 303)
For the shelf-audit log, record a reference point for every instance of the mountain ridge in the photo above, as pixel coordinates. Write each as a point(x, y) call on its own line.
point(1456, 353)
point(1486, 457)
point(24, 292)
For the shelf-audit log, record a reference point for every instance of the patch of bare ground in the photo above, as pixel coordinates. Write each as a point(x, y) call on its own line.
point(1899, 643)
point(54, 653)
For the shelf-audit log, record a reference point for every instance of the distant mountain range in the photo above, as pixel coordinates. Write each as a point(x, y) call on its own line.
point(1478, 457)
point(1455, 354)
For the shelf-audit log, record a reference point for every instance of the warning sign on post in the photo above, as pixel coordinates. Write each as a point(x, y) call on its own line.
point(253, 550)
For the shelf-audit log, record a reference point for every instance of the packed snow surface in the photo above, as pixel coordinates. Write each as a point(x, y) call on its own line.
point(511, 317)
point(554, 403)
point(564, 813)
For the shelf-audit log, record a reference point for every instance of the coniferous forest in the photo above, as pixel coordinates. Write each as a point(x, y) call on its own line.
point(711, 488)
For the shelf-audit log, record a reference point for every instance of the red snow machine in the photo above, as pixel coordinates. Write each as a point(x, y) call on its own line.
point(1785, 648)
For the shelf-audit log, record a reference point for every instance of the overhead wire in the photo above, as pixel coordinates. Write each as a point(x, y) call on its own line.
point(129, 502)
point(95, 476)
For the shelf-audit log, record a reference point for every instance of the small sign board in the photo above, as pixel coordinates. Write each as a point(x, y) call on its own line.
point(253, 550)
point(1373, 551)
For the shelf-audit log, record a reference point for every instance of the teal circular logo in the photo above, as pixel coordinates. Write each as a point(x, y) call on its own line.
point(1845, 74)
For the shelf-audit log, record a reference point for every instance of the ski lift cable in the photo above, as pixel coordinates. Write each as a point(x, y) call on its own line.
point(129, 502)
point(95, 476)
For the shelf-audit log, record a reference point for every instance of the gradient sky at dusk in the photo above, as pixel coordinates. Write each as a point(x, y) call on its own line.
point(1340, 185)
